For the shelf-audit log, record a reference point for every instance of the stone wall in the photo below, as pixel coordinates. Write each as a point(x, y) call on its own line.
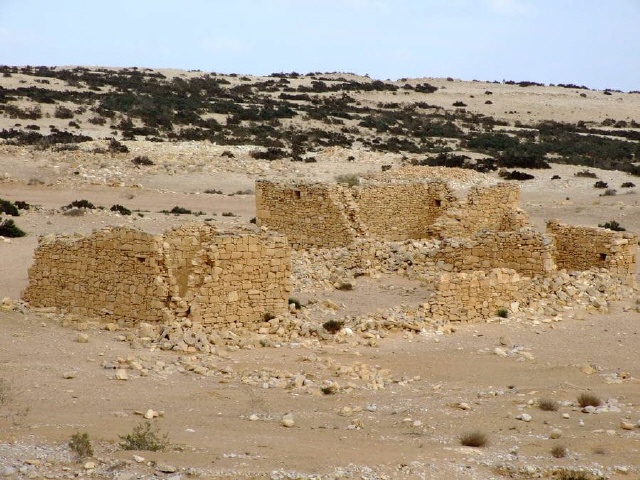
point(471, 296)
point(330, 215)
point(494, 208)
point(310, 215)
point(192, 271)
point(526, 251)
point(582, 248)
point(403, 210)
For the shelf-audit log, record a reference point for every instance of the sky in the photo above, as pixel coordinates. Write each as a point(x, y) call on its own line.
point(585, 42)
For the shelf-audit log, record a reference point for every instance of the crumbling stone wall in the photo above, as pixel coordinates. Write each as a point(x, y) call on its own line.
point(581, 248)
point(526, 252)
point(403, 210)
point(330, 215)
point(192, 271)
point(469, 296)
point(493, 208)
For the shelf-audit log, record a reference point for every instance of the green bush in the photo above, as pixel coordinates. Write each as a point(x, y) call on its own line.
point(80, 204)
point(145, 436)
point(80, 445)
point(333, 326)
point(120, 209)
point(9, 229)
point(612, 225)
point(9, 208)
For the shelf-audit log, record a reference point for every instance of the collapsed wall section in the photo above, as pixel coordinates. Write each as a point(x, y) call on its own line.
point(192, 271)
point(310, 215)
point(403, 210)
point(493, 208)
point(582, 248)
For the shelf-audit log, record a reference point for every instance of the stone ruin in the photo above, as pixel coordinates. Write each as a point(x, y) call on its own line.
point(192, 272)
point(478, 253)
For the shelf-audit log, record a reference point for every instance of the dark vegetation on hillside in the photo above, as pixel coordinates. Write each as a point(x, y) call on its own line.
point(144, 104)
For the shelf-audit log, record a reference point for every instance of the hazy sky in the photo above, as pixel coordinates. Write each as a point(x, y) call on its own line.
point(589, 42)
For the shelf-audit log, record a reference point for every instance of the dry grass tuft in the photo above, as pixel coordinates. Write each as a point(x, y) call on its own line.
point(586, 399)
point(559, 451)
point(548, 405)
point(474, 439)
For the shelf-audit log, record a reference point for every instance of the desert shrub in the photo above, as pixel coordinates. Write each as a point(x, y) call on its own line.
point(272, 153)
point(80, 204)
point(628, 185)
point(559, 451)
point(9, 229)
point(515, 175)
point(117, 147)
point(120, 209)
point(600, 184)
point(178, 211)
point(295, 302)
point(145, 436)
point(345, 286)
point(97, 120)
point(556, 177)
point(474, 439)
point(502, 313)
point(333, 326)
point(489, 142)
point(610, 192)
point(80, 445)
point(612, 225)
point(213, 191)
point(9, 208)
point(459, 104)
point(585, 174)
point(142, 160)
point(253, 220)
point(228, 214)
point(267, 316)
point(63, 112)
point(350, 179)
point(548, 405)
point(227, 154)
point(246, 191)
point(586, 399)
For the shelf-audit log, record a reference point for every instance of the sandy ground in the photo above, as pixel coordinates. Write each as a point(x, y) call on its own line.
point(441, 386)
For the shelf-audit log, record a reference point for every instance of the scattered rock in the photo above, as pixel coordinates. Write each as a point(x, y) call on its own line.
point(288, 421)
point(121, 374)
point(82, 338)
point(525, 417)
point(69, 375)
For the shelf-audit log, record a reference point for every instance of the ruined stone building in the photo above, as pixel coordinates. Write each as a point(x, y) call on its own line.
point(190, 272)
point(479, 248)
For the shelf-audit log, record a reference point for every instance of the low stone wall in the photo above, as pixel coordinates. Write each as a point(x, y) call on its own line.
point(192, 271)
point(473, 296)
point(527, 252)
point(581, 248)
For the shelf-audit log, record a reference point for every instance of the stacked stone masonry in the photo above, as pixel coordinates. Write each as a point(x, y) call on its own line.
point(581, 248)
point(192, 272)
point(333, 215)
